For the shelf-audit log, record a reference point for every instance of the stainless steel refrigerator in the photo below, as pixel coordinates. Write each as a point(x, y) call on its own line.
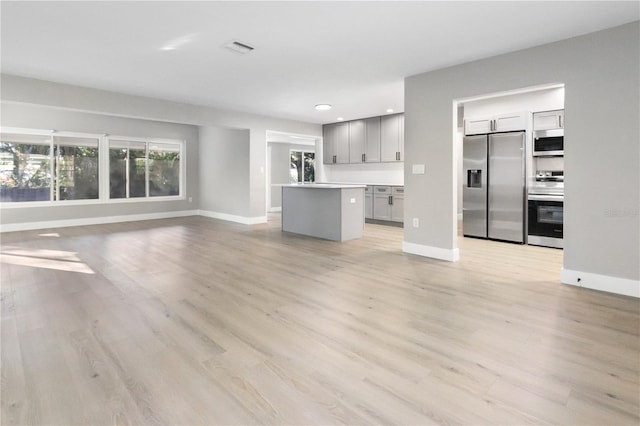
point(493, 191)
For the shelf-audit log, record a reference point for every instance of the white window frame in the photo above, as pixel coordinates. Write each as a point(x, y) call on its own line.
point(304, 151)
point(147, 142)
point(103, 169)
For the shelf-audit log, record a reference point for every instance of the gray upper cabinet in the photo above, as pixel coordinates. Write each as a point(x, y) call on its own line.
point(498, 123)
point(391, 138)
point(328, 137)
point(364, 141)
point(335, 144)
point(478, 126)
point(548, 120)
point(401, 142)
point(372, 142)
point(369, 140)
point(342, 143)
point(510, 122)
point(357, 141)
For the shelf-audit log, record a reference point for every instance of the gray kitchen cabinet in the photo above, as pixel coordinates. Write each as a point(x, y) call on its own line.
point(335, 143)
point(397, 204)
point(364, 141)
point(401, 142)
point(498, 123)
point(372, 141)
point(548, 120)
point(510, 122)
point(478, 126)
point(357, 142)
point(382, 202)
point(328, 138)
point(368, 202)
point(391, 138)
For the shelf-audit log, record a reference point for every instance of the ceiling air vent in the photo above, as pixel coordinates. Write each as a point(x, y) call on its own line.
point(239, 47)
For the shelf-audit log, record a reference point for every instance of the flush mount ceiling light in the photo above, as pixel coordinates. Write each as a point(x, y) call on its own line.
point(390, 110)
point(340, 118)
point(239, 47)
point(323, 107)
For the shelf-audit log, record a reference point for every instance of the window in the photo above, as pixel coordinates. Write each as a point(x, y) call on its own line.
point(76, 168)
point(139, 168)
point(164, 169)
point(302, 168)
point(60, 167)
point(25, 168)
point(127, 169)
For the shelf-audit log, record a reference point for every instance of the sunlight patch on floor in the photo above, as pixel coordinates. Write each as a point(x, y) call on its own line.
point(48, 259)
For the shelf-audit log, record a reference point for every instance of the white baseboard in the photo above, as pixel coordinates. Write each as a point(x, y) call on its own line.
point(459, 216)
point(452, 255)
point(275, 209)
point(606, 283)
point(233, 218)
point(29, 226)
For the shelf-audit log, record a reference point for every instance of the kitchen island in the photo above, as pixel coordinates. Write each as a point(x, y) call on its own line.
point(328, 211)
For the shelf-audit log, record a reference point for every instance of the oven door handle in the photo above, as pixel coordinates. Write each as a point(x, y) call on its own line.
point(539, 197)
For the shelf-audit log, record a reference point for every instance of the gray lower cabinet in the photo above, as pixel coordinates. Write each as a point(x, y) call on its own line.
point(397, 204)
point(368, 202)
point(382, 203)
point(387, 203)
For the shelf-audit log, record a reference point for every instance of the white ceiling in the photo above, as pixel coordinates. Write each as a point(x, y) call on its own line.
point(353, 55)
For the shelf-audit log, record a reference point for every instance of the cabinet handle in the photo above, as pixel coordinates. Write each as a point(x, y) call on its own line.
point(334, 159)
point(364, 157)
point(560, 121)
point(390, 200)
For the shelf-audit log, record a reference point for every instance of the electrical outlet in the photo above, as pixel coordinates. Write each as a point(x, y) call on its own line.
point(416, 222)
point(191, 199)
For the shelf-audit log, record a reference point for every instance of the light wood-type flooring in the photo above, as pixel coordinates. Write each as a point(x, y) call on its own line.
point(196, 321)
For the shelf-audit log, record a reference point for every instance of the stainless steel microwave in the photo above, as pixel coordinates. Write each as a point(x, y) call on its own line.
point(548, 142)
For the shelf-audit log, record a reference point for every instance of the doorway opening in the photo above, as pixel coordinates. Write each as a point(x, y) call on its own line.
point(506, 114)
point(291, 158)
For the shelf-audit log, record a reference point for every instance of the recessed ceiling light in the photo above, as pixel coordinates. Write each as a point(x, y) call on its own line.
point(390, 110)
point(323, 107)
point(340, 119)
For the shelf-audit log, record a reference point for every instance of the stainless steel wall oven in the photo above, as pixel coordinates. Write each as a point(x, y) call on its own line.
point(546, 216)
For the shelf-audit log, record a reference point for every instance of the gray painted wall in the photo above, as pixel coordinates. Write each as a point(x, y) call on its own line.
point(35, 117)
point(17, 89)
point(224, 170)
point(601, 76)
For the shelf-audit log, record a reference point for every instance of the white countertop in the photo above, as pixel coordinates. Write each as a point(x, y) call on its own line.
point(323, 185)
point(360, 183)
point(365, 184)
